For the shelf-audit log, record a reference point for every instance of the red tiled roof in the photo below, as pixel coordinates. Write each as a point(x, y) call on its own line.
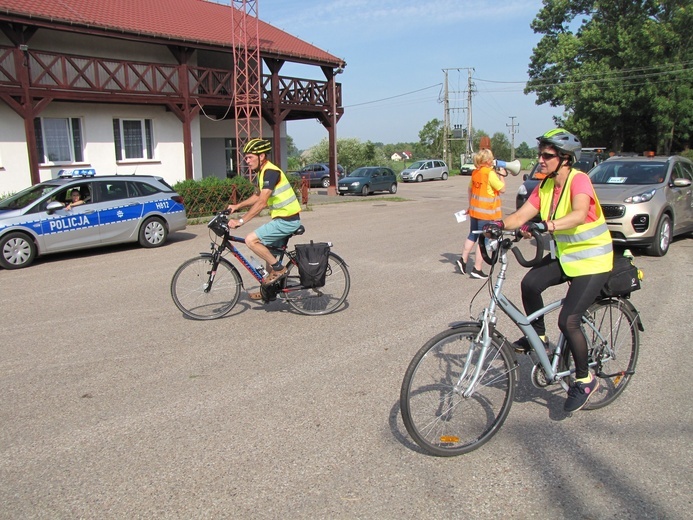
point(189, 21)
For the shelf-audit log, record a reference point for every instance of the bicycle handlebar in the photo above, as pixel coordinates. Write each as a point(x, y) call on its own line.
point(506, 243)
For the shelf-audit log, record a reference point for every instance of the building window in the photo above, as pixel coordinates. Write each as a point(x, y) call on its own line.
point(133, 139)
point(59, 140)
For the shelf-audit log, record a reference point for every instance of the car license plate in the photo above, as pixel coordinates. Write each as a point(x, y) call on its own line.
point(343, 188)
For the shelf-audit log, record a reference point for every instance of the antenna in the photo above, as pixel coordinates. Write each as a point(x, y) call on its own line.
point(247, 76)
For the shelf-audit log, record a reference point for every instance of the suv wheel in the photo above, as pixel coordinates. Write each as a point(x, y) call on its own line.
point(662, 238)
point(326, 182)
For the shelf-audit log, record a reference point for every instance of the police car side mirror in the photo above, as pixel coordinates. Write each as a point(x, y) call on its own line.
point(54, 206)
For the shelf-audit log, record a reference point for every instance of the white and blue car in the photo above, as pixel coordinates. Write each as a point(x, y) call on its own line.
point(113, 209)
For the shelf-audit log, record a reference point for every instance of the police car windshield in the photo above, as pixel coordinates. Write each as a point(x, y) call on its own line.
point(27, 197)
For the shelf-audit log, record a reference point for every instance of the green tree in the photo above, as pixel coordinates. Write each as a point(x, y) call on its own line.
point(524, 151)
point(623, 73)
point(291, 150)
point(430, 140)
point(351, 153)
point(500, 145)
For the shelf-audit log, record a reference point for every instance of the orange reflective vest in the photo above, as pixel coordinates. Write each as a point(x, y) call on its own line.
point(483, 205)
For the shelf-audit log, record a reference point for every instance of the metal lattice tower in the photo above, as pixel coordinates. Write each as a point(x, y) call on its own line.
point(247, 76)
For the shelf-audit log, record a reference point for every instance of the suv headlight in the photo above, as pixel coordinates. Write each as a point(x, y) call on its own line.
point(640, 197)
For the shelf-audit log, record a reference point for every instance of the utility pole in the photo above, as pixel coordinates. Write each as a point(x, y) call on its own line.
point(470, 139)
point(457, 134)
point(446, 119)
point(513, 130)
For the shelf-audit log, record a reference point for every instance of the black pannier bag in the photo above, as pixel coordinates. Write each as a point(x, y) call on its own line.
point(623, 279)
point(312, 262)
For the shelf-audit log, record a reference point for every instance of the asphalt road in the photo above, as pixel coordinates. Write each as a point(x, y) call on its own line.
point(116, 406)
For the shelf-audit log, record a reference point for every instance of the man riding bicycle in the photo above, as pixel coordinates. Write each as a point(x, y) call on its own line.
point(581, 250)
point(274, 192)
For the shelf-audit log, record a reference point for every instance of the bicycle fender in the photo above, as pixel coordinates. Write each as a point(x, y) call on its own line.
point(628, 305)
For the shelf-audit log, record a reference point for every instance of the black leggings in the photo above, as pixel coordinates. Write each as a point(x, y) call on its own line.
point(582, 292)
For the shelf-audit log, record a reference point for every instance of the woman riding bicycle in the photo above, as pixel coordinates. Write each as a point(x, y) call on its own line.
point(581, 250)
point(274, 192)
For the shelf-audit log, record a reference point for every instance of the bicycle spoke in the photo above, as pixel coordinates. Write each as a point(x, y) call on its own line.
point(435, 410)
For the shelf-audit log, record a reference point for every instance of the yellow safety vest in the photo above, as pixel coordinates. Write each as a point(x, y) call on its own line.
point(582, 250)
point(283, 201)
point(483, 206)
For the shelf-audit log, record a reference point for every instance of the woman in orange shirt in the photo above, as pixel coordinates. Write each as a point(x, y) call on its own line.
point(484, 190)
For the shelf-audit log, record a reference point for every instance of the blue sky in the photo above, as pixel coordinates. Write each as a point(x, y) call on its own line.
point(396, 51)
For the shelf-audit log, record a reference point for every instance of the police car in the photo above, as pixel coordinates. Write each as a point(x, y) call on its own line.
point(52, 217)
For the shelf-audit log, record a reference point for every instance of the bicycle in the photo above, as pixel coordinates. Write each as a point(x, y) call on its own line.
point(458, 389)
point(209, 286)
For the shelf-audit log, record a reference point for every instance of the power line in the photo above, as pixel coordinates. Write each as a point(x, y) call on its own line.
point(393, 97)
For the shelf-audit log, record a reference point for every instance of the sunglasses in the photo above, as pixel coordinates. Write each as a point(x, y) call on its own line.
point(547, 156)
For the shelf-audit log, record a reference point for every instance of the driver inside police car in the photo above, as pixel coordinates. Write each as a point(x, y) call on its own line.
point(75, 199)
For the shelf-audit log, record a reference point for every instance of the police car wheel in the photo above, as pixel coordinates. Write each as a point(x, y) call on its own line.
point(17, 250)
point(153, 233)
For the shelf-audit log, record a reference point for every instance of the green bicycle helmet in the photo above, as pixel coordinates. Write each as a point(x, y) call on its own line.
point(257, 146)
point(563, 141)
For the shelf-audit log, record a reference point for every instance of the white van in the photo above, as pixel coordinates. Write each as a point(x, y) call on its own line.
point(426, 170)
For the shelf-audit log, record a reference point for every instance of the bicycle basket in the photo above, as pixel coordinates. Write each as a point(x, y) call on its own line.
point(219, 225)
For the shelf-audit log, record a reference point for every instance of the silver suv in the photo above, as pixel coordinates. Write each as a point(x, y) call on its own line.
point(75, 213)
point(646, 200)
point(426, 170)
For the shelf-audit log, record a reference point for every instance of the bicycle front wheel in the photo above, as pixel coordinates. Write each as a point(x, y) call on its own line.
point(320, 300)
point(195, 297)
point(613, 340)
point(436, 411)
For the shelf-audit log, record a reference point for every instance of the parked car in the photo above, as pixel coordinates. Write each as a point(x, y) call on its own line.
point(646, 200)
point(368, 179)
point(425, 170)
point(531, 180)
point(113, 209)
point(467, 168)
point(319, 174)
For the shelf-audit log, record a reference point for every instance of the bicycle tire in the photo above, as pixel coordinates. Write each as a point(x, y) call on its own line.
point(320, 300)
point(615, 360)
point(435, 413)
point(188, 288)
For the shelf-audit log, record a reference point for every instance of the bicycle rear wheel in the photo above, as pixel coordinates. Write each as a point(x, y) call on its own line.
point(614, 342)
point(435, 412)
point(191, 281)
point(320, 300)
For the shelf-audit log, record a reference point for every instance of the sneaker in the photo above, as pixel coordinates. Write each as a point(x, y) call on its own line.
point(579, 394)
point(521, 346)
point(479, 274)
point(273, 276)
point(462, 265)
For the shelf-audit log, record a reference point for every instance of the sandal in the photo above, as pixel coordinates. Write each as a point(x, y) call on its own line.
point(273, 276)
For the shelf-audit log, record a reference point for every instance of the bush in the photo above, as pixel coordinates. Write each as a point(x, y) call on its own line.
point(210, 195)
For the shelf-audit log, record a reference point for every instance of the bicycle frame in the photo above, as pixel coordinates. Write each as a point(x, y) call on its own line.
point(488, 319)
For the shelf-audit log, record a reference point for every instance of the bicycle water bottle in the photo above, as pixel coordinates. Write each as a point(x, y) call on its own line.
point(258, 266)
